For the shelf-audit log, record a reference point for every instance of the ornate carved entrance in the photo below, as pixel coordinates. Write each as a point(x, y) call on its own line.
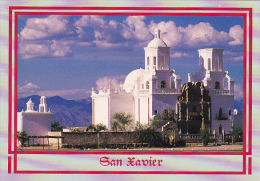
point(194, 104)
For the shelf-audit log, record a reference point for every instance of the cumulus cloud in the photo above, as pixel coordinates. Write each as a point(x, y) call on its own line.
point(53, 36)
point(35, 49)
point(41, 28)
point(236, 33)
point(169, 32)
point(113, 82)
point(139, 28)
point(179, 55)
point(202, 34)
point(28, 88)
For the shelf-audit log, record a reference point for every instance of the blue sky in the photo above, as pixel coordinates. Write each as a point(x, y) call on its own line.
point(68, 55)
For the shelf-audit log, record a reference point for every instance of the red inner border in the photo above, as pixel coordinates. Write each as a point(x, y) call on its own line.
point(15, 152)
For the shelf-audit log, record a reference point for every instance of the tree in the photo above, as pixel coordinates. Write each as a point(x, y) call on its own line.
point(56, 126)
point(22, 137)
point(73, 129)
point(101, 127)
point(160, 119)
point(235, 132)
point(123, 121)
point(92, 127)
point(97, 128)
point(115, 125)
point(147, 134)
point(204, 133)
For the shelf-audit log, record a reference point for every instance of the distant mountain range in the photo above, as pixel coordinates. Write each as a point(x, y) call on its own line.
point(71, 113)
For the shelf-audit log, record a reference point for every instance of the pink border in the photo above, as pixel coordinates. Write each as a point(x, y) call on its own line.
point(34, 12)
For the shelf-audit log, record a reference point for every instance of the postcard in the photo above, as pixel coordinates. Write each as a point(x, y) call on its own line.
point(142, 92)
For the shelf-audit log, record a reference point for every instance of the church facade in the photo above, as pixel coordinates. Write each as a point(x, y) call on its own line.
point(148, 91)
point(35, 123)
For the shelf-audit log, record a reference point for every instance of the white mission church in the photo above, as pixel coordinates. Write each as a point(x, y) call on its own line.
point(148, 91)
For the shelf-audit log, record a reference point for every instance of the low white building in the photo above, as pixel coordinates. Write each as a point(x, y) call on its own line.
point(35, 122)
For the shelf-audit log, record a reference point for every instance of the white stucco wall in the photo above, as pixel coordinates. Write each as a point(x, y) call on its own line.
point(164, 101)
point(223, 101)
point(121, 102)
point(100, 110)
point(34, 123)
point(226, 125)
point(142, 109)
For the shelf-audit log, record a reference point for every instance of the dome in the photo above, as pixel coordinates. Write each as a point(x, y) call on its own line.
point(30, 101)
point(157, 42)
point(131, 79)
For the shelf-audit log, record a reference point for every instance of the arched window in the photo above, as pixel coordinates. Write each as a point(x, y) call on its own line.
point(154, 60)
point(148, 61)
point(163, 84)
point(147, 84)
point(217, 85)
point(209, 64)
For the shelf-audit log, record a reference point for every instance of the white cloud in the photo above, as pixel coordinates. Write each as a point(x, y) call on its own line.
point(236, 33)
point(59, 50)
point(169, 32)
point(37, 38)
point(179, 55)
point(31, 50)
point(28, 88)
point(74, 94)
point(238, 91)
point(236, 59)
point(113, 82)
point(202, 34)
point(46, 48)
point(90, 21)
point(40, 28)
point(139, 28)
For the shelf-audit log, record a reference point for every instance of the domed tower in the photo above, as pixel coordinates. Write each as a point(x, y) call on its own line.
point(43, 105)
point(157, 54)
point(30, 105)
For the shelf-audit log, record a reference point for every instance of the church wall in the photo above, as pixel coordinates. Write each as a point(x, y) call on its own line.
point(164, 101)
point(226, 125)
point(163, 75)
point(142, 109)
point(122, 102)
point(19, 121)
point(100, 111)
point(163, 52)
point(223, 101)
point(35, 124)
point(151, 53)
point(218, 76)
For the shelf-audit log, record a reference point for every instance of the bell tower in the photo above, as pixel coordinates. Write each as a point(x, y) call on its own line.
point(30, 105)
point(43, 105)
point(157, 54)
